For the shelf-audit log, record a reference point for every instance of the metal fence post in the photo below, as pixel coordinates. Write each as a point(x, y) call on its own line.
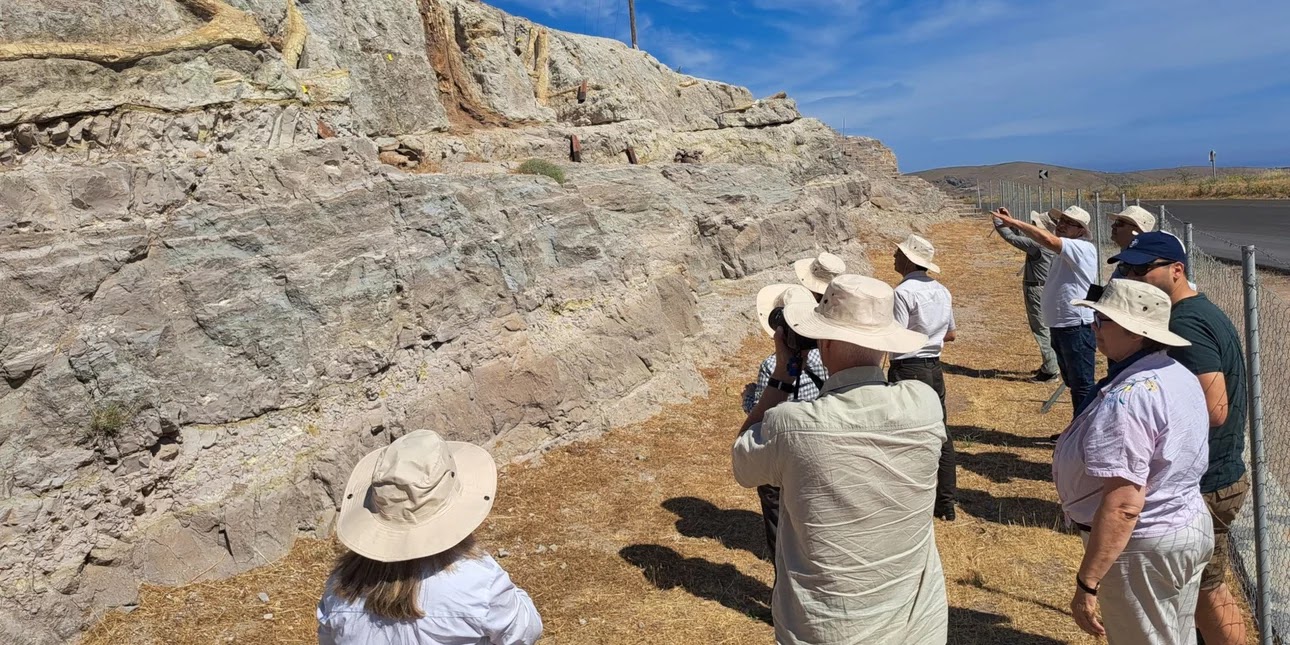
point(1124, 202)
point(1160, 224)
point(1097, 233)
point(979, 204)
point(1188, 244)
point(1258, 463)
point(1062, 193)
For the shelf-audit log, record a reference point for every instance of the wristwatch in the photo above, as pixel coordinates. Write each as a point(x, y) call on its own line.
point(780, 385)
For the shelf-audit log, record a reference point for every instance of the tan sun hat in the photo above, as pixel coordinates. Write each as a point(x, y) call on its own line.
point(855, 309)
point(1042, 220)
point(816, 273)
point(919, 251)
point(1072, 212)
point(1139, 217)
point(779, 295)
point(1139, 308)
point(416, 497)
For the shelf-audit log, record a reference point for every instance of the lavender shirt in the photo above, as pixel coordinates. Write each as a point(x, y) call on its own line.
point(1148, 426)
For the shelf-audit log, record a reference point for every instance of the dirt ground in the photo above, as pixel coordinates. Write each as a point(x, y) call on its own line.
point(642, 535)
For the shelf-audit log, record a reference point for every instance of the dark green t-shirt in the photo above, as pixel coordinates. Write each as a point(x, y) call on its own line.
point(1215, 347)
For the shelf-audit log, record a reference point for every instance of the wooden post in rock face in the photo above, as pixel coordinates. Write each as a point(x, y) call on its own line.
point(582, 91)
point(631, 156)
point(575, 148)
point(631, 12)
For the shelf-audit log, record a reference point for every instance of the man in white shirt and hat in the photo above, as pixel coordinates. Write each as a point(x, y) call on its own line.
point(814, 275)
point(924, 305)
point(856, 559)
point(1073, 271)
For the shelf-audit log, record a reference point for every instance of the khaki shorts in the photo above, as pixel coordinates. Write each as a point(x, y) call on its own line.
point(1224, 504)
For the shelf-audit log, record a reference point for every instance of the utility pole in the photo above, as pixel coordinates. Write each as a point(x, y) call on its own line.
point(631, 13)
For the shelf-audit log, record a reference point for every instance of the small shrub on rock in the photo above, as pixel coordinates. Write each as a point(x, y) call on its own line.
point(542, 167)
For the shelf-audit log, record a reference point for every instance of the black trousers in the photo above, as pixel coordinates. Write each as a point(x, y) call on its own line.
point(769, 496)
point(928, 370)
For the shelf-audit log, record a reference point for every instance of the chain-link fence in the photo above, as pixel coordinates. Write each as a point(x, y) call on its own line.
point(1261, 534)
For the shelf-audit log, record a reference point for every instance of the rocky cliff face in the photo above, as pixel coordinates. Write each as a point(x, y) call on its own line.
point(242, 242)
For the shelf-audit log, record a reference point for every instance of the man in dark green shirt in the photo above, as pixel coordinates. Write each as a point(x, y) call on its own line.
point(1216, 358)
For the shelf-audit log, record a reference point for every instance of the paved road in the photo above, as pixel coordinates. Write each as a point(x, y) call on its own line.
point(1264, 223)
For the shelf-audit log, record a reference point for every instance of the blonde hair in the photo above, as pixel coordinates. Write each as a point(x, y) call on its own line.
point(390, 589)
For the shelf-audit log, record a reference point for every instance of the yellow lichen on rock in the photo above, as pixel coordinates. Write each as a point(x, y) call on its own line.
point(294, 34)
point(227, 26)
point(537, 59)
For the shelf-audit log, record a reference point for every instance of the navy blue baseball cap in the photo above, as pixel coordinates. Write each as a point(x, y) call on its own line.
point(1149, 247)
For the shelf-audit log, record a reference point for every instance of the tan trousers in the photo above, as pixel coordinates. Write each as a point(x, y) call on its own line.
point(1149, 595)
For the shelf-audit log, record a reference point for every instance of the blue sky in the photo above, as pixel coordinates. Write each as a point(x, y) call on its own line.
point(1105, 84)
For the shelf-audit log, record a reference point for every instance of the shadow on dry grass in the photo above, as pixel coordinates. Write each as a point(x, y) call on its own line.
point(724, 583)
point(734, 528)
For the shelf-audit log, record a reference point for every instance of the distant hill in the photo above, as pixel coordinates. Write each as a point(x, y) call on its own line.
point(963, 179)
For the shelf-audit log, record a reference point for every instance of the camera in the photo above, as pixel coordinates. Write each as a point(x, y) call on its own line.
point(792, 340)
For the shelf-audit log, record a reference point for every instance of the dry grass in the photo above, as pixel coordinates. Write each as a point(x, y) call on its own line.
point(649, 540)
point(1269, 185)
point(427, 167)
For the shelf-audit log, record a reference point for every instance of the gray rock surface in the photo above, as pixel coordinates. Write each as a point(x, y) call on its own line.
point(215, 296)
point(761, 113)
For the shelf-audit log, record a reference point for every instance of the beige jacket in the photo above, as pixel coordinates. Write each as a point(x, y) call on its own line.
point(857, 559)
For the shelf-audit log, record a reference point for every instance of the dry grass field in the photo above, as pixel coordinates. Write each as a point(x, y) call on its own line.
point(642, 535)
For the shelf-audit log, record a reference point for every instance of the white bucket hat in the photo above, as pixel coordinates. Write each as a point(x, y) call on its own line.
point(416, 497)
point(855, 309)
point(1139, 217)
point(816, 273)
point(1072, 212)
point(1139, 308)
point(919, 251)
point(779, 295)
point(1042, 220)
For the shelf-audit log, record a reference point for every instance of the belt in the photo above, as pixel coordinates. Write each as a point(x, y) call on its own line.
point(1083, 527)
point(1073, 326)
point(919, 360)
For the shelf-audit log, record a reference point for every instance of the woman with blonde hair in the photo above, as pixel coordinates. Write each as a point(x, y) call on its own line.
point(411, 573)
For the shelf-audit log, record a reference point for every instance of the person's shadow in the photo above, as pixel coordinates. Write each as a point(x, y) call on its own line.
point(1004, 467)
point(1024, 511)
point(734, 528)
point(667, 569)
point(974, 626)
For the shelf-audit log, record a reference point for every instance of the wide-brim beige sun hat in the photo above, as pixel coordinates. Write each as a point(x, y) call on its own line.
point(855, 309)
point(816, 273)
point(1138, 216)
point(920, 251)
point(417, 497)
point(1042, 220)
point(1072, 212)
point(779, 295)
point(1137, 307)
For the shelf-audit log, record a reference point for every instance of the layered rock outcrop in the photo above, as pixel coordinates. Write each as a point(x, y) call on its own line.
point(215, 297)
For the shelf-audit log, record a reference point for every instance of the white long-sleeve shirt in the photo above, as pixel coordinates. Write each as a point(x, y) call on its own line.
point(924, 305)
point(473, 603)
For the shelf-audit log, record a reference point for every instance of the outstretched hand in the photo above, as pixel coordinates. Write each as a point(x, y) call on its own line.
point(1002, 216)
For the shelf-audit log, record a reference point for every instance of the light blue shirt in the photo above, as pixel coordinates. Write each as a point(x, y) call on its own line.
point(472, 603)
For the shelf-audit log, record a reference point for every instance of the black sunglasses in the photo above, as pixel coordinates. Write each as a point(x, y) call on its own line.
point(1139, 270)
